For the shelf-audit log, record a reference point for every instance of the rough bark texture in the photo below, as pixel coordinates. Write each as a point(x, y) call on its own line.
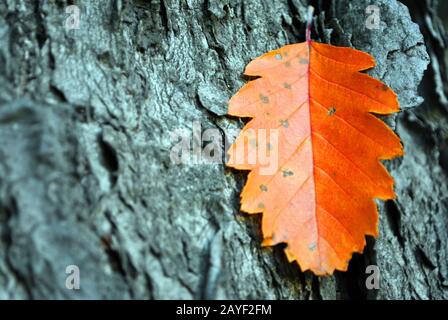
point(85, 170)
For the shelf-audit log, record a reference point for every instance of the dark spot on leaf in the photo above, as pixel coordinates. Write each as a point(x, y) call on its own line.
point(312, 246)
point(303, 60)
point(287, 64)
point(264, 98)
point(287, 173)
point(261, 205)
point(253, 142)
point(287, 85)
point(278, 56)
point(285, 53)
point(269, 146)
point(331, 111)
point(284, 123)
point(263, 188)
point(384, 87)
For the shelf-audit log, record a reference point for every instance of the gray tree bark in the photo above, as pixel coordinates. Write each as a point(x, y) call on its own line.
point(86, 177)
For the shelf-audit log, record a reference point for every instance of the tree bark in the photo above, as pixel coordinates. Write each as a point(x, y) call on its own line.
point(86, 178)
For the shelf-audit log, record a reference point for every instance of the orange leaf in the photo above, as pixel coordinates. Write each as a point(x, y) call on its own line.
point(312, 119)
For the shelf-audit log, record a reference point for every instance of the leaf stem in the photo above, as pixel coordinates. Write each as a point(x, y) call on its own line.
point(309, 21)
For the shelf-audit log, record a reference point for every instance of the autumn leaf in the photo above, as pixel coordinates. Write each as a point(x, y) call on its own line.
point(319, 198)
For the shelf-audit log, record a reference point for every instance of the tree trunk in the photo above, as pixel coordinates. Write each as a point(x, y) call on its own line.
point(86, 176)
